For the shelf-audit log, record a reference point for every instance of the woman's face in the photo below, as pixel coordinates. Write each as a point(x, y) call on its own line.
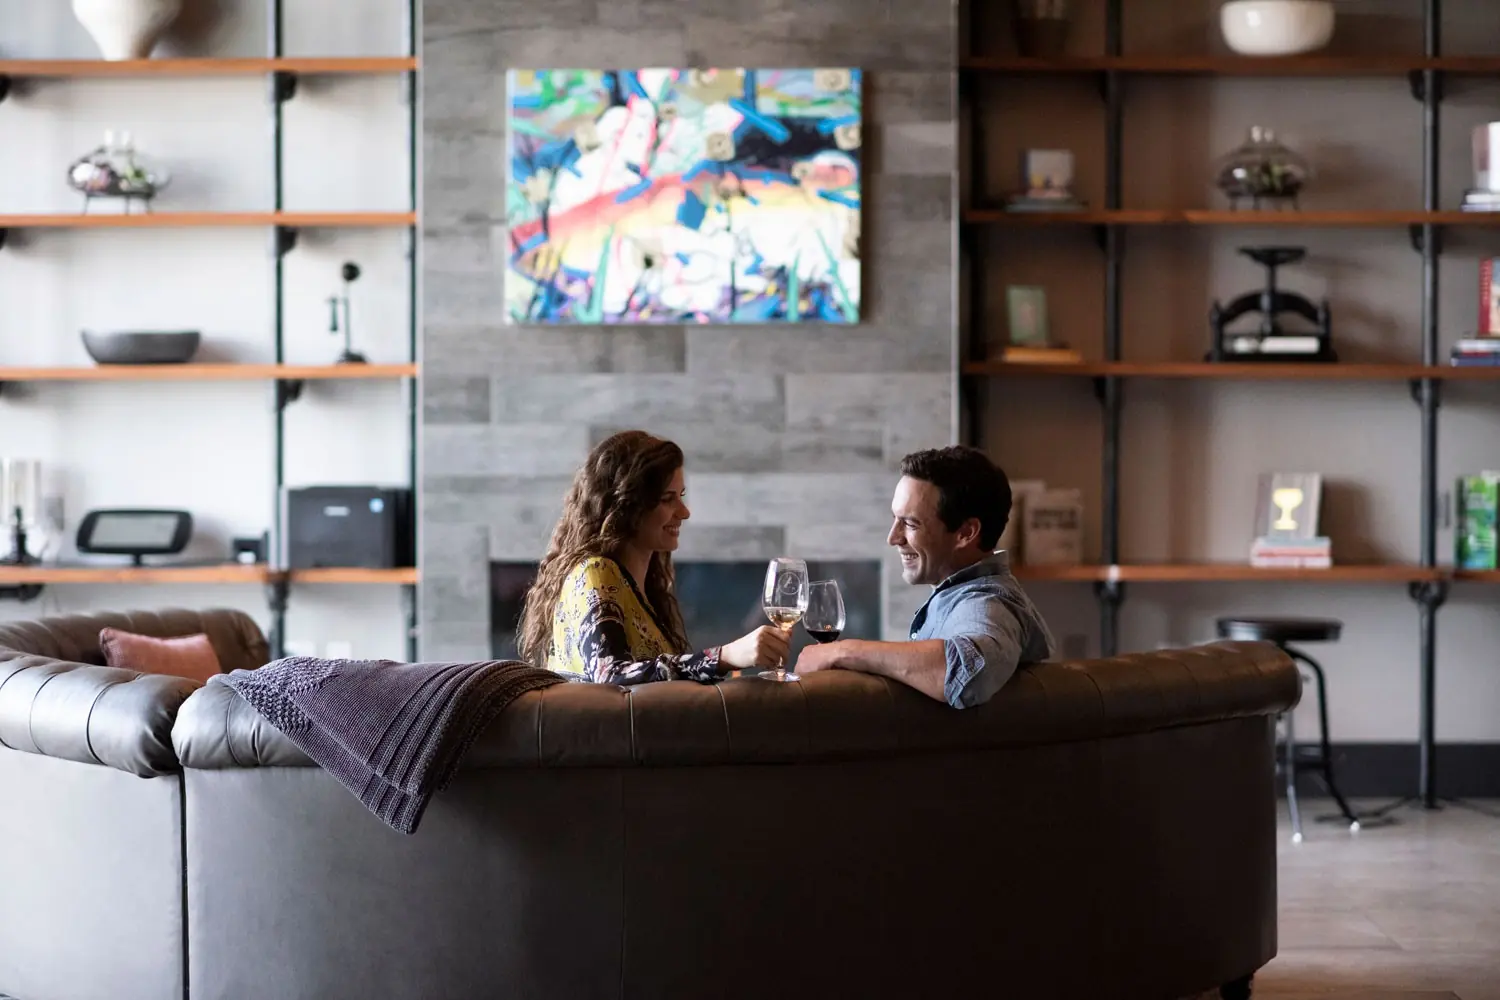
point(661, 524)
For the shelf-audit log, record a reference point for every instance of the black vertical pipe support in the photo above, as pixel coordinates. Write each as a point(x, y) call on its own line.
point(971, 340)
point(1111, 592)
point(413, 137)
point(277, 93)
point(1429, 594)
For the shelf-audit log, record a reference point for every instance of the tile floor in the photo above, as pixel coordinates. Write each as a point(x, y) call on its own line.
point(1404, 912)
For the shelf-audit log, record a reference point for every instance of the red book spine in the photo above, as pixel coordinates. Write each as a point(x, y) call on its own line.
point(1486, 280)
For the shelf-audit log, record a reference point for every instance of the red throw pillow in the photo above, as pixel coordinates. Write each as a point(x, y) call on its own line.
point(190, 656)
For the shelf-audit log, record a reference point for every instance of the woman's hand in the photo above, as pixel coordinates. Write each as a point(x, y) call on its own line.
point(765, 647)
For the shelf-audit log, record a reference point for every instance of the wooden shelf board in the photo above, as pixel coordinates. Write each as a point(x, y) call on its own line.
point(1222, 217)
point(1475, 575)
point(1204, 65)
point(1121, 217)
point(205, 373)
point(1228, 573)
point(1047, 574)
point(226, 573)
point(169, 220)
point(94, 68)
point(1219, 217)
point(409, 575)
point(1269, 371)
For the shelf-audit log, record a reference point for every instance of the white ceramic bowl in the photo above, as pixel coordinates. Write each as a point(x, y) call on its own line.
point(1276, 27)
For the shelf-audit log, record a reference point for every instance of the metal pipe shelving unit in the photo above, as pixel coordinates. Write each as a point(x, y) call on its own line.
point(1426, 84)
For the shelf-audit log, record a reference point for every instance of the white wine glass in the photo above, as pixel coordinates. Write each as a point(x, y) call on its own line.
point(784, 600)
point(824, 617)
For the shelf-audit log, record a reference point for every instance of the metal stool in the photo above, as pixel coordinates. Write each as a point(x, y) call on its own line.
point(1282, 631)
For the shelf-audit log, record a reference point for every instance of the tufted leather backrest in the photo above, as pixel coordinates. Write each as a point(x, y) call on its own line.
point(58, 699)
point(827, 716)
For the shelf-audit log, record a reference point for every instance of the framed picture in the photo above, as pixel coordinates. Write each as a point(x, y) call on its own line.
point(1047, 172)
point(1027, 309)
point(684, 195)
point(1287, 506)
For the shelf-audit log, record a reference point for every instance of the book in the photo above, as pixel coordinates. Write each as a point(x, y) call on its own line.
point(1485, 360)
point(1489, 298)
point(1309, 553)
point(1474, 538)
point(1053, 528)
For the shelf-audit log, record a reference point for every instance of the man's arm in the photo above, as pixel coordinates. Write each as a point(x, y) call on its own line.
point(964, 669)
point(922, 665)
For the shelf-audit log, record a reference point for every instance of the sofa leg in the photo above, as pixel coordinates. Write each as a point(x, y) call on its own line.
point(1239, 989)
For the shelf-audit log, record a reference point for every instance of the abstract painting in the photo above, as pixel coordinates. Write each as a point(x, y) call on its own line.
point(683, 196)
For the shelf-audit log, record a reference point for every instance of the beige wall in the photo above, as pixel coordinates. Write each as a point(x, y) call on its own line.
point(1192, 450)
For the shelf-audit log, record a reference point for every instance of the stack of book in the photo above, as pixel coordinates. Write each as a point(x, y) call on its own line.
point(1308, 553)
point(1476, 200)
point(1476, 352)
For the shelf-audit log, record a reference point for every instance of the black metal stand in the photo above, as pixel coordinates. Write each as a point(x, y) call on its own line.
point(19, 555)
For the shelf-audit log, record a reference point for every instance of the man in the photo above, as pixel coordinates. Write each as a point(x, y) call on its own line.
point(978, 625)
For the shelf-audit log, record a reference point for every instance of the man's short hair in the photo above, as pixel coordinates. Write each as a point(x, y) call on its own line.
point(969, 485)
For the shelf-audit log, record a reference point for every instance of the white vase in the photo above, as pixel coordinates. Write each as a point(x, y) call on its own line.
point(126, 29)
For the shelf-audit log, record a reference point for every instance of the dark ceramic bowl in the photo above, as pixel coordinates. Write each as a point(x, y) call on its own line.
point(141, 347)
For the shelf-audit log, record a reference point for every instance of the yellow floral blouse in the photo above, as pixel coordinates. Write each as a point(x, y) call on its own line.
point(604, 631)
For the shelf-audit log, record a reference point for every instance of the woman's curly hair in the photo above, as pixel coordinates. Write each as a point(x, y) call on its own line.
point(623, 478)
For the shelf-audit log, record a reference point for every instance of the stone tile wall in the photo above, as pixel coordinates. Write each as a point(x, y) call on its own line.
point(792, 432)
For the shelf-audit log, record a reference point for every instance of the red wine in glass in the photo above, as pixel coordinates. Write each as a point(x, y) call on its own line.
point(824, 617)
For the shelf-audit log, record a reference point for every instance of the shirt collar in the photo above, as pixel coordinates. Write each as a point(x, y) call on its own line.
point(991, 565)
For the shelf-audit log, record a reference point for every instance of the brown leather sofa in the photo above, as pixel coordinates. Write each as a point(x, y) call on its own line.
point(91, 835)
point(1101, 828)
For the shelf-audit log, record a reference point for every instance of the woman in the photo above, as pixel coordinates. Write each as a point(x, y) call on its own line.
point(602, 605)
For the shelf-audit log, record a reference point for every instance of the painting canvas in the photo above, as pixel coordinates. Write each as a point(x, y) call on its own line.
point(683, 196)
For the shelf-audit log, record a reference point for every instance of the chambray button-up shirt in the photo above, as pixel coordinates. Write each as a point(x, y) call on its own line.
point(988, 626)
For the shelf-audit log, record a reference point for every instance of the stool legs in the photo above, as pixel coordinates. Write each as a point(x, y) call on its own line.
point(1289, 756)
point(1325, 765)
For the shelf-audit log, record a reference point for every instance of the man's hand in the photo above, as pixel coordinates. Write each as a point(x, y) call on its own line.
point(824, 656)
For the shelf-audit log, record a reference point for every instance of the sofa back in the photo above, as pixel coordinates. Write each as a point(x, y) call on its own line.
point(1102, 828)
point(58, 699)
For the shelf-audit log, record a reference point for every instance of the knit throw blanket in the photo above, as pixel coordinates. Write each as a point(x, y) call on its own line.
point(392, 733)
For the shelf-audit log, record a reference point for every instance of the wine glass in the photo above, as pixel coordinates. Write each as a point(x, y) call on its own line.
point(824, 617)
point(784, 599)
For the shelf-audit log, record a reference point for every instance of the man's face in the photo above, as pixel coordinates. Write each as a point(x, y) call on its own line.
point(925, 544)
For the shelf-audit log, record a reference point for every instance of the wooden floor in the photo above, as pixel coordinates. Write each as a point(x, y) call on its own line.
point(1405, 912)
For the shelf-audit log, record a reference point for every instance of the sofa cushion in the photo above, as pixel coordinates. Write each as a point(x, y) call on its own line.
point(190, 656)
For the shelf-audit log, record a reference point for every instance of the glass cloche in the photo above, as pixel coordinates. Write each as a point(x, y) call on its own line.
point(1262, 169)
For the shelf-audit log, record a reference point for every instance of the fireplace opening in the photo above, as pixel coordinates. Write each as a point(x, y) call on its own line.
point(720, 601)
